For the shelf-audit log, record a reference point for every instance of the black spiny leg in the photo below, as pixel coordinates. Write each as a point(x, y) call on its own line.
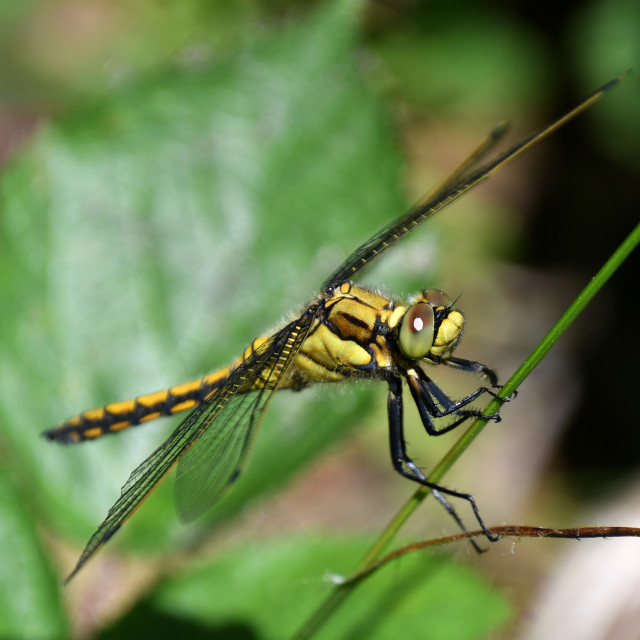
point(482, 369)
point(427, 395)
point(406, 467)
point(473, 367)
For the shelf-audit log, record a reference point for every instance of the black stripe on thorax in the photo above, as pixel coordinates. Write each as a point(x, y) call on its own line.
point(354, 320)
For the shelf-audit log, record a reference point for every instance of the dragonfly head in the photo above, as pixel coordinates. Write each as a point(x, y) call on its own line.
point(430, 328)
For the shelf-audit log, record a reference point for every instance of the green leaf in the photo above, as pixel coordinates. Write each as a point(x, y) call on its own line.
point(148, 239)
point(30, 606)
point(267, 590)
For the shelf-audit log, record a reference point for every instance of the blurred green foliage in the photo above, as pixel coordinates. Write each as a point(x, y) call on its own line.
point(204, 167)
point(280, 595)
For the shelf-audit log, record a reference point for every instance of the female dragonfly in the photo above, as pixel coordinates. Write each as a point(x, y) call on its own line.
point(345, 332)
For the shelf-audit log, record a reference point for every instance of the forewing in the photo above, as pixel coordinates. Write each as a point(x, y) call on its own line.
point(218, 432)
point(464, 178)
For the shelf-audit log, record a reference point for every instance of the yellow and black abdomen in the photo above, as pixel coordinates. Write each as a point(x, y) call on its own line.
point(117, 416)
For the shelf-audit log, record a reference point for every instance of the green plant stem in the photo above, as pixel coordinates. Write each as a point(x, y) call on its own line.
point(342, 591)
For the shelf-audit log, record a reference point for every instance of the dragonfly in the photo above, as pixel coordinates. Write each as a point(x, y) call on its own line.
point(345, 332)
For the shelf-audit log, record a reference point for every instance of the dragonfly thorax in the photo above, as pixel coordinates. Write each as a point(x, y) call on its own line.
point(358, 332)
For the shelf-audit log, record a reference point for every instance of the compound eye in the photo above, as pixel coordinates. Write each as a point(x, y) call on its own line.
point(437, 298)
point(416, 332)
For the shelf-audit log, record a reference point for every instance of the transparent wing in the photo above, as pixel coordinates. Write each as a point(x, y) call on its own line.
point(218, 432)
point(468, 165)
point(215, 459)
point(461, 181)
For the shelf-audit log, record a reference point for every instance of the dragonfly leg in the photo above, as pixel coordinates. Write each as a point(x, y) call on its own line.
point(432, 390)
point(427, 395)
point(406, 467)
point(473, 367)
point(482, 369)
